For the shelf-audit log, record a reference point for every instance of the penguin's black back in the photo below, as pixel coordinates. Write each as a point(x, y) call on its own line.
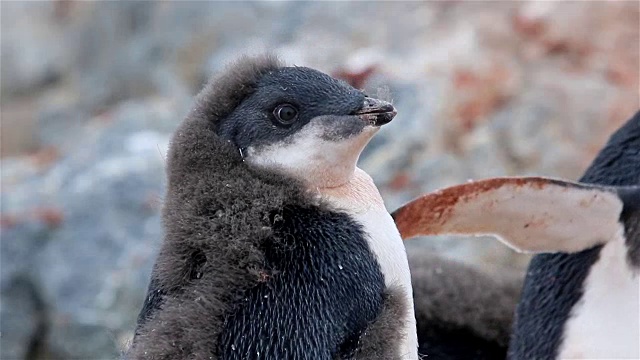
point(554, 282)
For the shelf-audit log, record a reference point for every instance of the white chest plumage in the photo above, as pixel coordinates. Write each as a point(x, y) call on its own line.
point(386, 243)
point(363, 202)
point(605, 324)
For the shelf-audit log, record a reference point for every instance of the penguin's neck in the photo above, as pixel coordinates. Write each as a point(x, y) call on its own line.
point(358, 194)
point(360, 198)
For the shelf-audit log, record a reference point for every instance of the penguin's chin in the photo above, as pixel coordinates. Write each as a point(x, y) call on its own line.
point(315, 157)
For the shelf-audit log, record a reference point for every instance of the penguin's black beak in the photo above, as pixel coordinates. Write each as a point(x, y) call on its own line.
point(376, 112)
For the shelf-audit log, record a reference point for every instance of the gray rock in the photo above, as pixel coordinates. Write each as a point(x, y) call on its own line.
point(91, 270)
point(32, 54)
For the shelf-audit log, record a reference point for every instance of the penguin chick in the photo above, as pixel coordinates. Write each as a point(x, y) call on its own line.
point(582, 300)
point(461, 312)
point(276, 245)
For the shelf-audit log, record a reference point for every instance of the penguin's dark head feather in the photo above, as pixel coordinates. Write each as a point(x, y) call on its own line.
point(224, 92)
point(293, 119)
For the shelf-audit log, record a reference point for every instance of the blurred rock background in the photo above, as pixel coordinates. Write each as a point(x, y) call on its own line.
point(91, 91)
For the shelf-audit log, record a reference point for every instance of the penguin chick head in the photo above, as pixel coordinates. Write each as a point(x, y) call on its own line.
point(304, 123)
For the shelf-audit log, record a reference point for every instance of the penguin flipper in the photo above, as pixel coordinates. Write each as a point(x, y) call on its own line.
point(529, 214)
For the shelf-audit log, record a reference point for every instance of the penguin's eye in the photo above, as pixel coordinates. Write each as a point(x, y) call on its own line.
point(285, 114)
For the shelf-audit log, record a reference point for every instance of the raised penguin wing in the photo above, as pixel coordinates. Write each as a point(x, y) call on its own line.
point(529, 214)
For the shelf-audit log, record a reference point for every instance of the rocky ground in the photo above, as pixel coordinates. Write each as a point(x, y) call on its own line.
point(91, 92)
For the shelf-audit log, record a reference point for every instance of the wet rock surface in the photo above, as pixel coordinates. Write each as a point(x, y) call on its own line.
point(92, 91)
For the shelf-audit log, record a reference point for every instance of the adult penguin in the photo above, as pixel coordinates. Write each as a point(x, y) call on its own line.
point(276, 245)
point(581, 297)
point(586, 304)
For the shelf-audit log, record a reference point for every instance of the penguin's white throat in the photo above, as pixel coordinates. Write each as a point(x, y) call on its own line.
point(312, 157)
